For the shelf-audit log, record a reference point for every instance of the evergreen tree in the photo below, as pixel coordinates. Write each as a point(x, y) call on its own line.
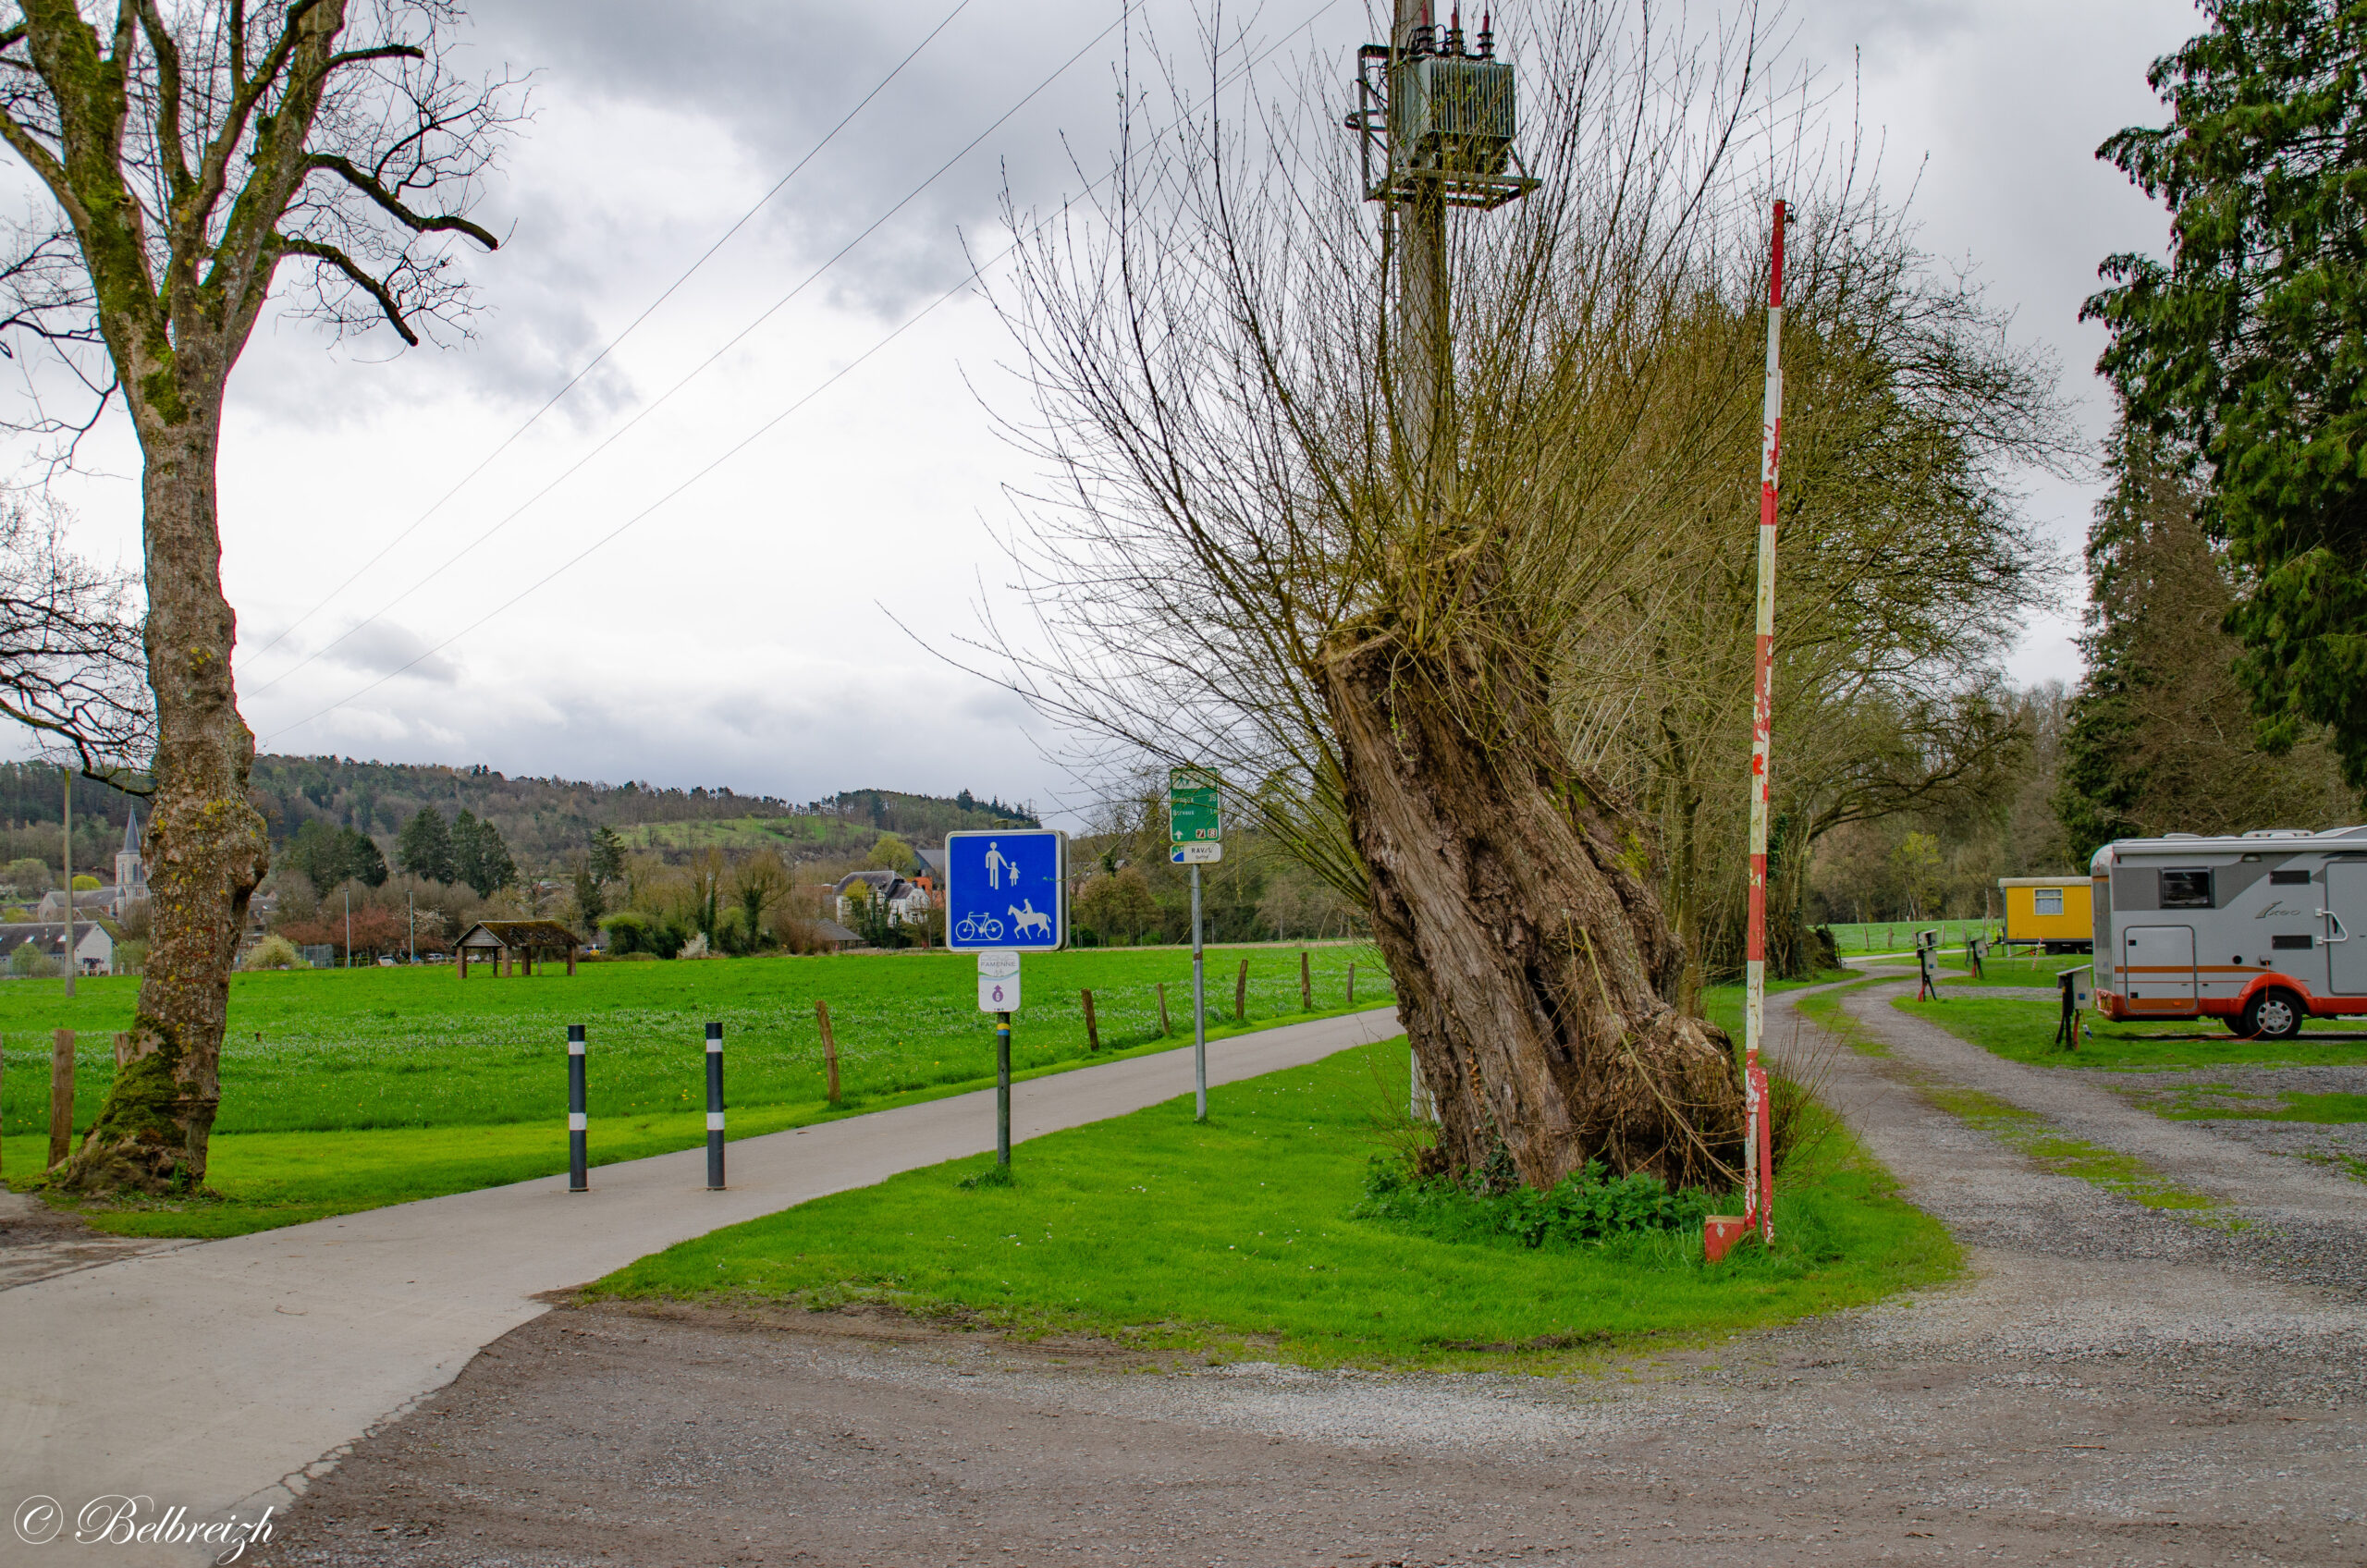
point(479, 857)
point(607, 857)
point(2159, 740)
point(426, 848)
point(327, 856)
point(2244, 346)
point(363, 860)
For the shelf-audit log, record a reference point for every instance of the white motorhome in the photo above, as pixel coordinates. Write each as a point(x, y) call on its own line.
point(2263, 930)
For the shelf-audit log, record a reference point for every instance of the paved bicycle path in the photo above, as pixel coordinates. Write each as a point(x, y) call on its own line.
point(225, 1375)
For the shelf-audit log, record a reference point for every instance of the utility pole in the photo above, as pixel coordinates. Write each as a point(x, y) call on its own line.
point(66, 855)
point(1425, 364)
point(1442, 118)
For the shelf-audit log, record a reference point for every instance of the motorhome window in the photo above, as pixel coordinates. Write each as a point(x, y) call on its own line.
point(2288, 878)
point(2186, 890)
point(2050, 901)
point(2304, 941)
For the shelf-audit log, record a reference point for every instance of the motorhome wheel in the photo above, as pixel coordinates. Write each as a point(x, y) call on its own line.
point(2273, 1015)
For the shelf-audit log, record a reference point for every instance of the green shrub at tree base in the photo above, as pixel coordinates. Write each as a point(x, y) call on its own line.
point(1585, 1208)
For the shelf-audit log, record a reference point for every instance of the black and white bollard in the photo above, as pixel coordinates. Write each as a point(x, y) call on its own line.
point(576, 1121)
point(714, 1108)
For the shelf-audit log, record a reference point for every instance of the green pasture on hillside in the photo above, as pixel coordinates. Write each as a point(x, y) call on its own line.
point(1235, 1238)
point(345, 1089)
point(804, 834)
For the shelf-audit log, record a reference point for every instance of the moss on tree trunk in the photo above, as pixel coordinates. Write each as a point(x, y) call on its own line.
point(207, 847)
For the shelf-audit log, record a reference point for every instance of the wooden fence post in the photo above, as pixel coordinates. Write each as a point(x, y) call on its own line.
point(1092, 1029)
point(829, 1047)
point(1240, 994)
point(1305, 987)
point(1163, 1030)
point(61, 1096)
point(1352, 985)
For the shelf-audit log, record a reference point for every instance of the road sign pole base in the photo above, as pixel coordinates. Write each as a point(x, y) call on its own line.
point(1719, 1232)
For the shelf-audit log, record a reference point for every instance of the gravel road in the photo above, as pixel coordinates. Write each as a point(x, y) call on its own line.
point(2109, 1385)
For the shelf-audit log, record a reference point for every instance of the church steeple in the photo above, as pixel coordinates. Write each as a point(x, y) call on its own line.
point(130, 872)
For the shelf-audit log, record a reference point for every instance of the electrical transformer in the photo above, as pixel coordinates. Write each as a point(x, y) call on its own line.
point(1453, 113)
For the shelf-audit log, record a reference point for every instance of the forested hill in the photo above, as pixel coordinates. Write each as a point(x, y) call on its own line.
point(542, 819)
point(545, 818)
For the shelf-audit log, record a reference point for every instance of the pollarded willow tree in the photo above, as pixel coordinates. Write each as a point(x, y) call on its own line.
point(1388, 617)
point(201, 157)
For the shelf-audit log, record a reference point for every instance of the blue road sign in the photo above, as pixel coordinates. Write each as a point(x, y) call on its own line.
point(1004, 888)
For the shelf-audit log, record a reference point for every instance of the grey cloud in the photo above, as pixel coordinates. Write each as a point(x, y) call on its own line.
point(775, 79)
point(386, 647)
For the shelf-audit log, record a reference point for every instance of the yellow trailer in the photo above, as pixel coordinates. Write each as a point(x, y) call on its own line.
point(2057, 911)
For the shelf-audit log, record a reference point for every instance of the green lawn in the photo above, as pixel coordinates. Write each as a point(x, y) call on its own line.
point(2023, 1030)
point(2033, 970)
point(345, 1089)
point(1899, 936)
point(1234, 1238)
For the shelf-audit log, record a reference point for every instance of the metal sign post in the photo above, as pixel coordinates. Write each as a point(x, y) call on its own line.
point(577, 1120)
point(1196, 838)
point(1006, 893)
point(714, 1108)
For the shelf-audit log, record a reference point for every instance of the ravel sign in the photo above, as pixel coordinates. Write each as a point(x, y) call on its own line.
point(1194, 816)
point(1004, 890)
point(998, 982)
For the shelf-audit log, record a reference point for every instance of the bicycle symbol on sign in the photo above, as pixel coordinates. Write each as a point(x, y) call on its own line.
point(978, 928)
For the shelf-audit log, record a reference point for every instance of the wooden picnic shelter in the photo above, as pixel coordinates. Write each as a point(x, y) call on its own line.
point(510, 945)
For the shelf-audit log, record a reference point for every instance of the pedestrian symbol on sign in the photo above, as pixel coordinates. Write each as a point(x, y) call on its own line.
point(1004, 889)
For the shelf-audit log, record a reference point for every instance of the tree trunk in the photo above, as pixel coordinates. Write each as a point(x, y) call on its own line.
point(206, 844)
point(1532, 959)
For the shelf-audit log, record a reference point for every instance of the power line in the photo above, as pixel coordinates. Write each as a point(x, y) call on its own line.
point(752, 436)
point(611, 346)
point(703, 366)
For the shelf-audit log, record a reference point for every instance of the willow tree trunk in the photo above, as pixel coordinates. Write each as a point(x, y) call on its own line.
point(1533, 963)
point(207, 847)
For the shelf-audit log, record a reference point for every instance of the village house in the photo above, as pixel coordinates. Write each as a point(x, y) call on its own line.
point(94, 947)
point(908, 902)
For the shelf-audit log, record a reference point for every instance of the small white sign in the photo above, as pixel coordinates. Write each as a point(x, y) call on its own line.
point(1196, 854)
point(998, 982)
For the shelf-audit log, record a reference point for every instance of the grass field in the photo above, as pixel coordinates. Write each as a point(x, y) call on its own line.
point(2023, 1030)
point(1234, 1238)
point(1899, 936)
point(2037, 969)
point(345, 1089)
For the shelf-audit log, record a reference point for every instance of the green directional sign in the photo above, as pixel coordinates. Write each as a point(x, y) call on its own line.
point(1195, 814)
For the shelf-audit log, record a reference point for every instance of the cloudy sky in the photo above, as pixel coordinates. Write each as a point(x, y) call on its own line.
point(697, 586)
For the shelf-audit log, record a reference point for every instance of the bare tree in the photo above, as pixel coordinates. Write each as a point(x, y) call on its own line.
point(71, 665)
point(192, 148)
point(1394, 588)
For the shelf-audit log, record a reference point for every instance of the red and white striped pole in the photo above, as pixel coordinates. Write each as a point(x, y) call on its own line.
point(1758, 1166)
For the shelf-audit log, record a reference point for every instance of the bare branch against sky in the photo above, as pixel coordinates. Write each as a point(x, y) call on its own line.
point(736, 635)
